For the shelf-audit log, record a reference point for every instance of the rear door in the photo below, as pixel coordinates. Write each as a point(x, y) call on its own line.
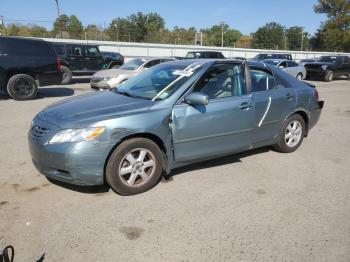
point(223, 126)
point(273, 102)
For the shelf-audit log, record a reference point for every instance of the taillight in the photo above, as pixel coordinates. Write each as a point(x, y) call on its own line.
point(316, 95)
point(58, 64)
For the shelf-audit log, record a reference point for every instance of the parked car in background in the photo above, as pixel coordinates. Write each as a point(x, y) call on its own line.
point(288, 66)
point(328, 67)
point(171, 115)
point(110, 78)
point(112, 59)
point(260, 57)
point(26, 64)
point(204, 55)
point(239, 58)
point(308, 60)
point(77, 59)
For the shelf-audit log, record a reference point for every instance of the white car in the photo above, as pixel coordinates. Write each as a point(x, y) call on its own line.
point(111, 78)
point(288, 66)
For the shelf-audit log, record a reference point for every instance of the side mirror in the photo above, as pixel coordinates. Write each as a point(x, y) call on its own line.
point(197, 98)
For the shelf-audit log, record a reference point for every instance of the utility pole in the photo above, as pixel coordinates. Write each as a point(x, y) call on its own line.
point(116, 27)
point(222, 33)
point(302, 39)
point(59, 17)
point(2, 24)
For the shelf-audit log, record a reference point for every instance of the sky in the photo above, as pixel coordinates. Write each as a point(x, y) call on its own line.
point(244, 15)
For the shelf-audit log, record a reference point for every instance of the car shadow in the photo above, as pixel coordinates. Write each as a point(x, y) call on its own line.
point(226, 160)
point(81, 80)
point(45, 92)
point(81, 189)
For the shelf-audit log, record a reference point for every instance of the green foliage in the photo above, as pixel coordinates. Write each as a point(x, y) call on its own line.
point(71, 26)
point(270, 36)
point(213, 36)
point(334, 34)
point(296, 36)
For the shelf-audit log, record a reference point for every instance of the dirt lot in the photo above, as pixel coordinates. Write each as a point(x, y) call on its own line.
point(256, 206)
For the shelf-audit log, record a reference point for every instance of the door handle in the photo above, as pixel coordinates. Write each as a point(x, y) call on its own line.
point(245, 106)
point(289, 96)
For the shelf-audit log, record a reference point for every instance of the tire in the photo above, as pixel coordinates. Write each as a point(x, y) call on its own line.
point(288, 145)
point(299, 76)
point(22, 87)
point(67, 75)
point(329, 76)
point(135, 178)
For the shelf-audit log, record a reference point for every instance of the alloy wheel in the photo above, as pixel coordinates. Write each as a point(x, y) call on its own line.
point(137, 167)
point(293, 133)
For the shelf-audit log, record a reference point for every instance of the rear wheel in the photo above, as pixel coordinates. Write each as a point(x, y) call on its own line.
point(67, 75)
point(291, 135)
point(134, 167)
point(22, 87)
point(300, 76)
point(329, 76)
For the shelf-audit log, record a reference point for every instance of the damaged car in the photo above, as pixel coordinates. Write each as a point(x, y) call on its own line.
point(168, 116)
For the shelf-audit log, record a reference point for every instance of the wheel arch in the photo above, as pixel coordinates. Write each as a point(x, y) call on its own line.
point(305, 116)
point(153, 137)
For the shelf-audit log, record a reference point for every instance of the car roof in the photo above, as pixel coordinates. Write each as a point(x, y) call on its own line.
point(276, 60)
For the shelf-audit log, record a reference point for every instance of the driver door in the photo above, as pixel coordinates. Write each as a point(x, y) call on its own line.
point(221, 127)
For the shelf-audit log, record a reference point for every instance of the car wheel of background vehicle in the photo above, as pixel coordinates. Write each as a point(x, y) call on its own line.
point(134, 167)
point(67, 75)
point(329, 76)
point(300, 76)
point(22, 87)
point(291, 135)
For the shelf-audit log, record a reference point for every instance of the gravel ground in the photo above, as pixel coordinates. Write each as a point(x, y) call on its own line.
point(255, 206)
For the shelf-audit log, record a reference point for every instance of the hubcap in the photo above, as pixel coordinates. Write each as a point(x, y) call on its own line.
point(23, 88)
point(137, 167)
point(293, 133)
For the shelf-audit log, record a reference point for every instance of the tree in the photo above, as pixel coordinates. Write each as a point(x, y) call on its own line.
point(75, 27)
point(60, 25)
point(213, 35)
point(297, 37)
point(71, 26)
point(270, 36)
point(94, 32)
point(334, 34)
point(38, 31)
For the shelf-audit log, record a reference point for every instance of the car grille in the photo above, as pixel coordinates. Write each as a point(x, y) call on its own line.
point(38, 133)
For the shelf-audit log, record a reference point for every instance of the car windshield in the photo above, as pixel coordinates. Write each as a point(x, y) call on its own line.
point(191, 55)
point(327, 59)
point(271, 62)
point(157, 83)
point(133, 64)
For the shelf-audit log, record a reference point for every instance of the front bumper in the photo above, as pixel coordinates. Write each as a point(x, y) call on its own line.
point(315, 73)
point(102, 85)
point(80, 163)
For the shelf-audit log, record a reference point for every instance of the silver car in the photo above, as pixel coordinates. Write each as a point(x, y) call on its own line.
point(110, 78)
point(288, 66)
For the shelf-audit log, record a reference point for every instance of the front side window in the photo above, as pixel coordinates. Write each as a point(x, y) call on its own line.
point(222, 81)
point(292, 64)
point(261, 80)
point(152, 63)
point(75, 50)
point(91, 51)
point(133, 64)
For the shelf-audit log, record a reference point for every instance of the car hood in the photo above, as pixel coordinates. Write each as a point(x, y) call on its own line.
point(114, 73)
point(85, 110)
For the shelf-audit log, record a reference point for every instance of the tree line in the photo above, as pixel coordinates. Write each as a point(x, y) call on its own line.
point(332, 35)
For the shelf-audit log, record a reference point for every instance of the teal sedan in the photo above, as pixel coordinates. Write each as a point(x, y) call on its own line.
point(168, 116)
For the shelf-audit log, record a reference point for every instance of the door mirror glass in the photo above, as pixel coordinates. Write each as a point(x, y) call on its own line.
point(197, 98)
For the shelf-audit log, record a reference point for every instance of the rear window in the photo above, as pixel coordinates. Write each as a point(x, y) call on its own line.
point(26, 48)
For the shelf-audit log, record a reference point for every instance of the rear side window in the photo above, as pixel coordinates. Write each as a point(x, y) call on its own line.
point(261, 80)
point(75, 50)
point(26, 48)
point(91, 51)
point(60, 50)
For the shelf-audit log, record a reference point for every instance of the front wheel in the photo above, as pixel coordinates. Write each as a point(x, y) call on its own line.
point(291, 135)
point(329, 76)
point(67, 75)
point(134, 167)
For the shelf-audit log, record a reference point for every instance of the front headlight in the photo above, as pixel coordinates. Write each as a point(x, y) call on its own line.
point(324, 67)
point(77, 135)
point(107, 78)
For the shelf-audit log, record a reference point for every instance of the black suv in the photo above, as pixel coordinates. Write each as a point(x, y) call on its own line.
point(112, 59)
point(260, 57)
point(26, 64)
point(204, 55)
point(328, 67)
point(78, 59)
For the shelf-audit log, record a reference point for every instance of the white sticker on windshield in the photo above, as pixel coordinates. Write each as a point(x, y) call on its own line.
point(183, 73)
